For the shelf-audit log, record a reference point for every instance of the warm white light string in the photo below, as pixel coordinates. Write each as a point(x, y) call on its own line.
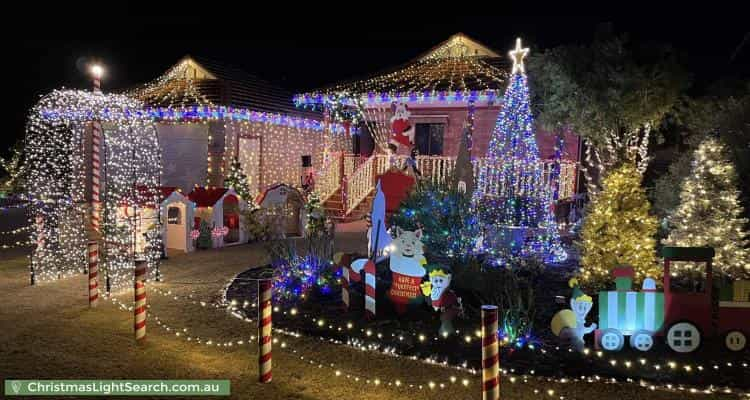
point(360, 344)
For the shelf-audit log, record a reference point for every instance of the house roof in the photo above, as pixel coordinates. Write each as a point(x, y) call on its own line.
point(206, 197)
point(458, 65)
point(197, 81)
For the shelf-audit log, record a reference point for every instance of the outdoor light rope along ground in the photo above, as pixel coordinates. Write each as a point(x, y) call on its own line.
point(16, 231)
point(509, 372)
point(365, 343)
point(182, 333)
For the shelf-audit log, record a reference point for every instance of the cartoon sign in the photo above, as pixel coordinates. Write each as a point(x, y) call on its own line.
point(407, 265)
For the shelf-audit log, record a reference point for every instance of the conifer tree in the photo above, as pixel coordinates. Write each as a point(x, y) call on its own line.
point(710, 213)
point(618, 230)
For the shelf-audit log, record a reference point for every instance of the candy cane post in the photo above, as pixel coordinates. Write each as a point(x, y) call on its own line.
point(345, 286)
point(96, 142)
point(490, 354)
point(264, 330)
point(343, 260)
point(370, 289)
point(370, 279)
point(93, 253)
point(139, 310)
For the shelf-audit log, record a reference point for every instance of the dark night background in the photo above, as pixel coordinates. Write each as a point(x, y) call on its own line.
point(300, 54)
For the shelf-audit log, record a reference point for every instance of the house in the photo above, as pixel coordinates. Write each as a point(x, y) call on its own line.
point(222, 209)
point(207, 114)
point(457, 83)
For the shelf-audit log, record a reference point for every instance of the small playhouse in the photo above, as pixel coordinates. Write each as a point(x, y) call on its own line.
point(177, 213)
point(285, 205)
point(222, 208)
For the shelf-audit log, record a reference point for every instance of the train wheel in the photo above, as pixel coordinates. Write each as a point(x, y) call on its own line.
point(611, 340)
point(735, 341)
point(683, 337)
point(642, 340)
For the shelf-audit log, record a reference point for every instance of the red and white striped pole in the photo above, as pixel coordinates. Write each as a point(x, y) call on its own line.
point(345, 286)
point(139, 310)
point(344, 261)
point(264, 330)
point(93, 252)
point(96, 143)
point(490, 354)
point(370, 289)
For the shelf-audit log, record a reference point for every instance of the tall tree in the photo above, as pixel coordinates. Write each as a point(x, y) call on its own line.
point(510, 193)
point(724, 111)
point(710, 214)
point(610, 92)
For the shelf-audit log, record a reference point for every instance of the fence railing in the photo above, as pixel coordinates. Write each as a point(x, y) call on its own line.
point(329, 180)
point(360, 173)
point(360, 183)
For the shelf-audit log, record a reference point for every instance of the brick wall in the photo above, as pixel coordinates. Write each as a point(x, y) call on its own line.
point(484, 124)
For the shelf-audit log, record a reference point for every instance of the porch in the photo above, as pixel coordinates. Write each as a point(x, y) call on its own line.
point(346, 186)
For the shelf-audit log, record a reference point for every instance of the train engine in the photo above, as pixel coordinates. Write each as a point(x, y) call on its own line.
point(684, 318)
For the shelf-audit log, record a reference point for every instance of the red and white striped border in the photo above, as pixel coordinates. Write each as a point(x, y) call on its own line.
point(139, 310)
point(264, 331)
point(490, 354)
point(93, 256)
point(370, 289)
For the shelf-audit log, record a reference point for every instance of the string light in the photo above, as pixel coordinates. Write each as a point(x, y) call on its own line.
point(457, 71)
point(618, 229)
point(710, 213)
point(56, 155)
point(511, 198)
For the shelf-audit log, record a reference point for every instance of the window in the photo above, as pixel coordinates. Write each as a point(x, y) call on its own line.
point(173, 216)
point(429, 138)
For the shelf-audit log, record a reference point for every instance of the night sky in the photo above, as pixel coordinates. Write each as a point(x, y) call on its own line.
point(300, 54)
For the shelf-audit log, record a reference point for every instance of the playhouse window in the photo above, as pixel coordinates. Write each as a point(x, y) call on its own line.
point(174, 216)
point(429, 138)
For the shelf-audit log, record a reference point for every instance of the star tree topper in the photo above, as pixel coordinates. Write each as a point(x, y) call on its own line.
point(518, 54)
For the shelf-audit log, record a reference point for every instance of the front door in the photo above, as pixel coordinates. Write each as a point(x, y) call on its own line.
point(176, 228)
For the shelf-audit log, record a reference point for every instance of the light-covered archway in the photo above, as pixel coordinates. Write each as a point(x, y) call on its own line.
point(68, 162)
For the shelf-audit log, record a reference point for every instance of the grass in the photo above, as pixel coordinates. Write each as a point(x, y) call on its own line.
point(47, 331)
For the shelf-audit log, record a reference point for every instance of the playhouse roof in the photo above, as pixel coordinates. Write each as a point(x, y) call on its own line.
point(206, 197)
point(166, 191)
point(196, 81)
point(458, 67)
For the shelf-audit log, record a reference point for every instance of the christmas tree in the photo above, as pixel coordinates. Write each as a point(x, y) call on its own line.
point(618, 230)
point(205, 241)
point(511, 197)
point(237, 180)
point(709, 213)
point(316, 216)
point(444, 215)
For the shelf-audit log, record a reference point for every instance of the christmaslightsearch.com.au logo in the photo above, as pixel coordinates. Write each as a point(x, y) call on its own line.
point(92, 387)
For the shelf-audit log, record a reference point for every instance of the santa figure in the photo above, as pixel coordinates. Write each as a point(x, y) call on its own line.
point(402, 131)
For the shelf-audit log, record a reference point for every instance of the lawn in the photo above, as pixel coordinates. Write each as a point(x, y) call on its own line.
point(48, 332)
